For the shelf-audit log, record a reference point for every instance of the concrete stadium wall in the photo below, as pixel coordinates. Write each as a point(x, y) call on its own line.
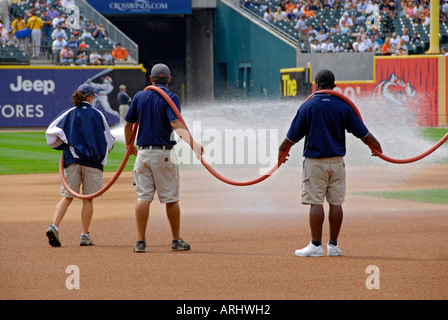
point(345, 66)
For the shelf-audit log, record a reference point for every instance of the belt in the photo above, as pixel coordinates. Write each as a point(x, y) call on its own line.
point(156, 147)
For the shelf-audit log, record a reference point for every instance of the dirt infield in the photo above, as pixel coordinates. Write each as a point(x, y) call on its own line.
point(243, 241)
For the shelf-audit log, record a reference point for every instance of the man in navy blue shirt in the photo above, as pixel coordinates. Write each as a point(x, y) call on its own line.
point(154, 168)
point(322, 120)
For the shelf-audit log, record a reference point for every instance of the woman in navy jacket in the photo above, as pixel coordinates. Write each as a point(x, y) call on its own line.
point(83, 135)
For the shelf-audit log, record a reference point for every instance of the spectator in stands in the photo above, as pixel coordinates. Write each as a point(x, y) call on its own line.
point(415, 37)
point(12, 40)
point(301, 28)
point(280, 15)
point(59, 20)
point(268, 16)
point(73, 43)
point(82, 58)
point(349, 6)
point(18, 24)
point(66, 55)
point(394, 41)
point(57, 5)
point(52, 13)
point(86, 34)
point(328, 46)
point(290, 15)
point(307, 12)
point(91, 27)
point(335, 29)
point(344, 28)
point(260, 5)
point(444, 11)
point(108, 59)
point(58, 32)
point(348, 47)
point(374, 45)
point(58, 44)
point(401, 49)
point(426, 20)
point(248, 4)
point(316, 5)
point(95, 58)
point(343, 18)
point(311, 31)
point(100, 31)
point(290, 5)
point(378, 39)
point(405, 36)
point(386, 48)
point(321, 26)
point(48, 26)
point(339, 47)
point(36, 25)
point(321, 37)
point(315, 46)
point(283, 4)
point(359, 45)
point(361, 7)
point(120, 53)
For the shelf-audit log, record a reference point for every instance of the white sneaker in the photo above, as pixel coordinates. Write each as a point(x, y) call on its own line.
point(310, 251)
point(333, 250)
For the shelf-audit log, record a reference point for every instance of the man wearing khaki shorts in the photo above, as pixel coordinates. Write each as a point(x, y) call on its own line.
point(155, 168)
point(323, 120)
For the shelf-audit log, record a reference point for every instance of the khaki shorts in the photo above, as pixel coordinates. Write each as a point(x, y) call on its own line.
point(323, 178)
point(75, 174)
point(154, 170)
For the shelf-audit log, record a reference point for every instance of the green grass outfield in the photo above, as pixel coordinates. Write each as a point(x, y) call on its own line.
point(420, 195)
point(28, 152)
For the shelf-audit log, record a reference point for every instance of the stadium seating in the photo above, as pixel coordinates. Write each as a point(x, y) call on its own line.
point(331, 16)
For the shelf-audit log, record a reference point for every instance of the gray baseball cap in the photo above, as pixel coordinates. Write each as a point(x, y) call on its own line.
point(87, 89)
point(160, 70)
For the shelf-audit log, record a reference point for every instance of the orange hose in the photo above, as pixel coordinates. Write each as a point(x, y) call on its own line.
point(110, 183)
point(376, 152)
point(216, 174)
point(204, 163)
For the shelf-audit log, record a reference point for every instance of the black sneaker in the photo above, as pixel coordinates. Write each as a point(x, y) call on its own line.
point(180, 245)
point(140, 246)
point(53, 236)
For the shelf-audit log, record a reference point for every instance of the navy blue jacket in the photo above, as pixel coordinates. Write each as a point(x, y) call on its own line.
point(84, 136)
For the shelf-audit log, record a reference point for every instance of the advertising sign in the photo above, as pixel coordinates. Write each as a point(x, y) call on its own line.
point(33, 97)
point(405, 88)
point(142, 6)
point(295, 83)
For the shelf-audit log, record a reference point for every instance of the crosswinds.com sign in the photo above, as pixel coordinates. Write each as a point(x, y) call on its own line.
point(142, 6)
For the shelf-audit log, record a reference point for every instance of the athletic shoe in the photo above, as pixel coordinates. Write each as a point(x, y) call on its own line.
point(180, 245)
point(310, 251)
point(140, 246)
point(53, 236)
point(333, 250)
point(85, 240)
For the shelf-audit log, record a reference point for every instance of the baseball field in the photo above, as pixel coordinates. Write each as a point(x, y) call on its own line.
point(393, 238)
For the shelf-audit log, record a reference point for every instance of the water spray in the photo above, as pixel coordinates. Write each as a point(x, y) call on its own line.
point(219, 176)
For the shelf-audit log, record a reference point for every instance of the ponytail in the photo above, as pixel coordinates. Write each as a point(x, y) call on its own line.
point(78, 97)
